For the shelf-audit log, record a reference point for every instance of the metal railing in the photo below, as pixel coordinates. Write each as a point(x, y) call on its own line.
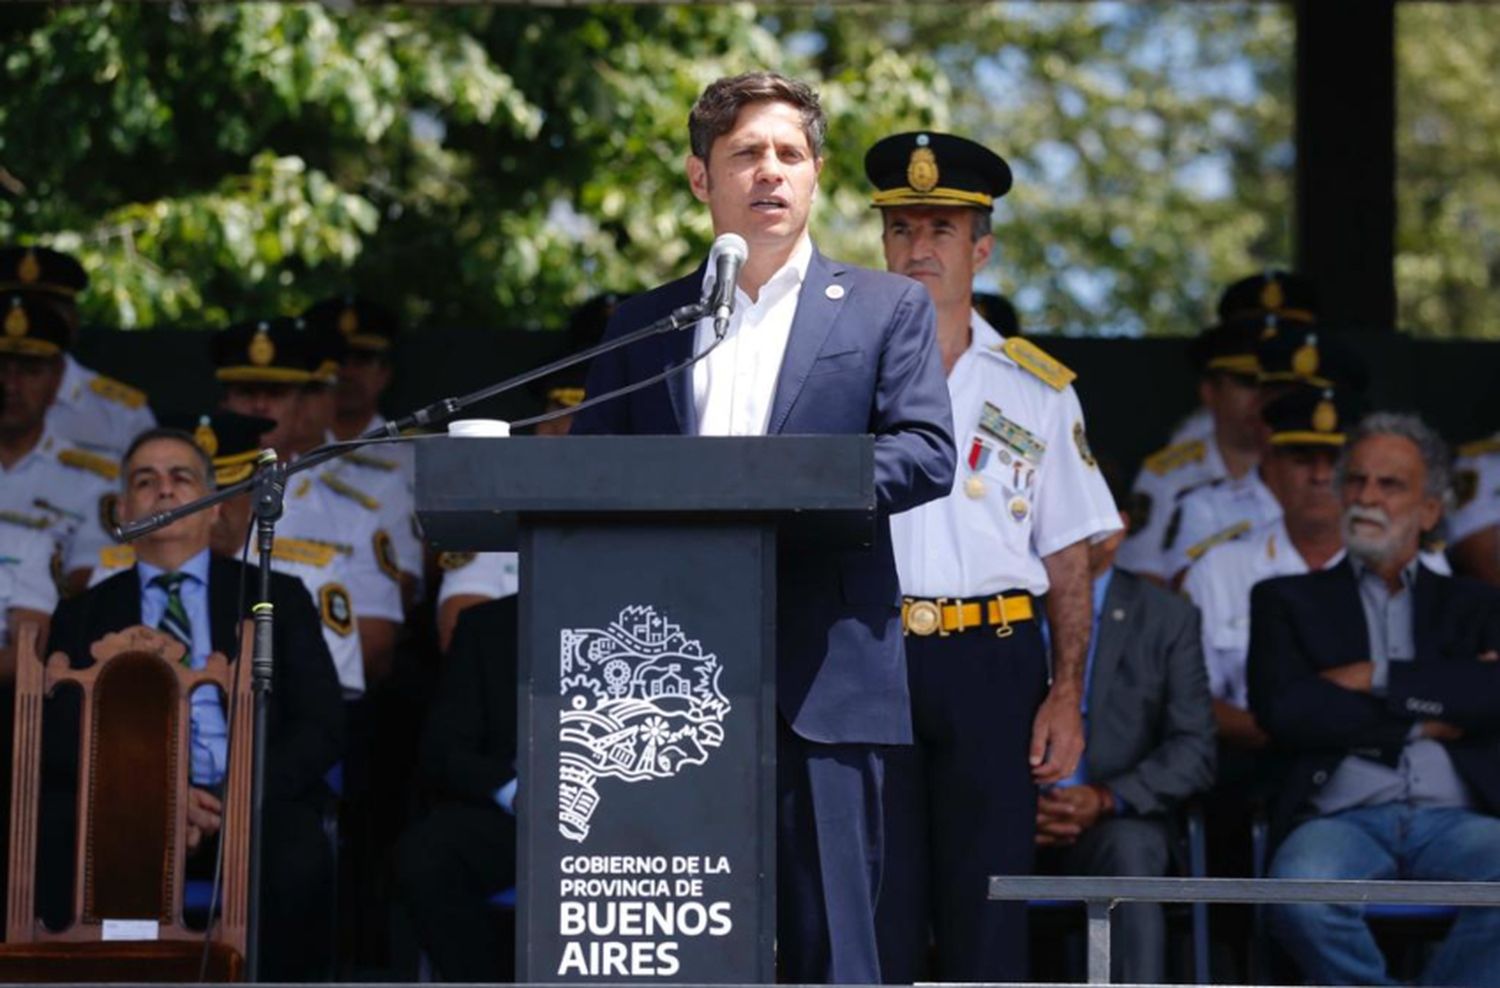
point(1099, 896)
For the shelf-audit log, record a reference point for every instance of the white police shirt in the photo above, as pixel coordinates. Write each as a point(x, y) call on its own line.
point(1476, 489)
point(64, 491)
point(491, 575)
point(25, 577)
point(385, 484)
point(1027, 484)
point(735, 385)
point(327, 509)
point(1165, 478)
point(96, 412)
point(1220, 512)
point(323, 571)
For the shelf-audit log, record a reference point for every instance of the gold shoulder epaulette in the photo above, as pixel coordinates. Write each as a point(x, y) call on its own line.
point(1227, 535)
point(1480, 447)
point(117, 556)
point(344, 488)
point(117, 391)
point(306, 551)
point(92, 462)
point(1038, 362)
point(1176, 456)
point(24, 521)
point(373, 462)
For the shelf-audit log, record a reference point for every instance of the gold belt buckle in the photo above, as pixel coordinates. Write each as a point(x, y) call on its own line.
point(1004, 630)
point(923, 617)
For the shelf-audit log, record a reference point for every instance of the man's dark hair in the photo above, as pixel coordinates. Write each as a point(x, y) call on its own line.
point(719, 106)
point(981, 224)
point(177, 435)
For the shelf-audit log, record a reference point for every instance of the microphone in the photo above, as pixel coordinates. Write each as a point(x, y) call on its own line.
point(725, 259)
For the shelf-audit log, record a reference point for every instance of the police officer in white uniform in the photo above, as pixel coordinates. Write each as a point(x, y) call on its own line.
point(1028, 498)
point(47, 484)
point(91, 411)
point(264, 367)
point(1290, 358)
point(27, 592)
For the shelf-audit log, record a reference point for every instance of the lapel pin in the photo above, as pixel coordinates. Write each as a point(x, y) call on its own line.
point(1118, 614)
point(834, 292)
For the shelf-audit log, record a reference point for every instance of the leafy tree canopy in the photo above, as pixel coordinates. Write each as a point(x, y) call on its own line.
point(492, 166)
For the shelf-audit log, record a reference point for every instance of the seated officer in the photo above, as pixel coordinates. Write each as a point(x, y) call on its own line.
point(1290, 359)
point(1378, 679)
point(265, 367)
point(1229, 389)
point(452, 862)
point(1150, 747)
point(353, 337)
point(46, 483)
point(90, 410)
point(178, 586)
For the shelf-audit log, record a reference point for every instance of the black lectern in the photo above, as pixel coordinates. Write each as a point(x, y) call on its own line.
point(647, 693)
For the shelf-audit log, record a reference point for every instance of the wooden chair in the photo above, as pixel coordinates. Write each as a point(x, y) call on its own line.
point(131, 848)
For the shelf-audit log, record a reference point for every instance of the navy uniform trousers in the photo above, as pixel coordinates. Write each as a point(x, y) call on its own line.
point(960, 806)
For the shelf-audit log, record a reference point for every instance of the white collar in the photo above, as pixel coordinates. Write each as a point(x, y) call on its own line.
point(794, 271)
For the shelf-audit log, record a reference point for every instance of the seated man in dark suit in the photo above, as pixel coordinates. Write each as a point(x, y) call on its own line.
point(451, 863)
point(178, 586)
point(1150, 746)
point(1378, 678)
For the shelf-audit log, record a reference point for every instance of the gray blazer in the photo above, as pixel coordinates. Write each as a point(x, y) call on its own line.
point(1151, 724)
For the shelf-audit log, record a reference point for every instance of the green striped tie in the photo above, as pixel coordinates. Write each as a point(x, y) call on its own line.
point(174, 620)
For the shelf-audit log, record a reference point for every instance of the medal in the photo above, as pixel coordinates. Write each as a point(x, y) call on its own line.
point(1019, 508)
point(974, 486)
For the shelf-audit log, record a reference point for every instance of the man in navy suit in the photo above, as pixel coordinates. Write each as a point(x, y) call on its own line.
point(1379, 678)
point(813, 347)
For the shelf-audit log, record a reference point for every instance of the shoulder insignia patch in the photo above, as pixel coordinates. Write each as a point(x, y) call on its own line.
point(118, 392)
point(92, 462)
point(1480, 447)
point(385, 555)
point(24, 521)
point(1195, 552)
point(117, 556)
point(1081, 440)
point(304, 551)
point(1465, 486)
point(337, 611)
point(1176, 456)
point(345, 489)
point(450, 561)
point(371, 462)
point(1038, 362)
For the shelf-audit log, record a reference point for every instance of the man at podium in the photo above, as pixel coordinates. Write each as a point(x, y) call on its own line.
point(813, 346)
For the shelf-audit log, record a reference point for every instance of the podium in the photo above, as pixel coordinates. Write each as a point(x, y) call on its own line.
point(647, 706)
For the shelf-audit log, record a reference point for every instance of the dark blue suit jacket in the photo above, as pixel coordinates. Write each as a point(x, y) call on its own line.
point(865, 362)
point(1301, 625)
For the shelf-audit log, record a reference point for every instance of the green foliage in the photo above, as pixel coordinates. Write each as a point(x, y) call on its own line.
point(495, 165)
point(1448, 170)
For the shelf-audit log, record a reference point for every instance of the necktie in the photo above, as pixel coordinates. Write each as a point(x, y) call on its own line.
point(174, 620)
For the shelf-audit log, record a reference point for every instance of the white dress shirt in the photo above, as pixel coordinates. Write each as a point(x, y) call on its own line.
point(734, 386)
point(1017, 496)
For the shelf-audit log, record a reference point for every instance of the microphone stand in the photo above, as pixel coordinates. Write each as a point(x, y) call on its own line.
point(269, 486)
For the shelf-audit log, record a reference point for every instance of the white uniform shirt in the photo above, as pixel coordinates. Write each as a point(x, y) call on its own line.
point(1476, 484)
point(1221, 512)
point(733, 387)
point(62, 490)
point(1165, 478)
point(486, 574)
point(323, 570)
point(97, 412)
point(385, 482)
point(1023, 451)
point(25, 580)
point(1220, 584)
point(325, 509)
